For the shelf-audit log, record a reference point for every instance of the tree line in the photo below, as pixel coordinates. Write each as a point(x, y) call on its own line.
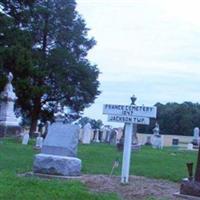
point(175, 118)
point(45, 45)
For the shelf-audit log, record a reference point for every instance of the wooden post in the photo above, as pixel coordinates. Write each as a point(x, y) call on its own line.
point(126, 153)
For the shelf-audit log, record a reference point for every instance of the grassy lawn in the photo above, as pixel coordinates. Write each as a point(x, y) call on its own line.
point(96, 158)
point(16, 158)
point(167, 164)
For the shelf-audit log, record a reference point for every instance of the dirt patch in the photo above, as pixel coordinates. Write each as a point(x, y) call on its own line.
point(139, 188)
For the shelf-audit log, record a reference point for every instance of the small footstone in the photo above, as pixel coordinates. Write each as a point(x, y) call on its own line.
point(57, 165)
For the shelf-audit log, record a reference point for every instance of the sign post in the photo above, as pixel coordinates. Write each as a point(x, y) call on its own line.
point(126, 153)
point(128, 114)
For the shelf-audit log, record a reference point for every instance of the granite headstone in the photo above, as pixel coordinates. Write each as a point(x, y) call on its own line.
point(62, 140)
point(58, 154)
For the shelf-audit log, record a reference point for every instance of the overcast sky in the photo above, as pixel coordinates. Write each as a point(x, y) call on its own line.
point(150, 48)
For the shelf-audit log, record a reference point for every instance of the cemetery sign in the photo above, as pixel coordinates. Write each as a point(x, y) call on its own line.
point(127, 119)
point(129, 114)
point(130, 110)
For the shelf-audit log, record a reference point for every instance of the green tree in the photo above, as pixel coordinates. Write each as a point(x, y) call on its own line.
point(47, 53)
point(96, 124)
point(84, 120)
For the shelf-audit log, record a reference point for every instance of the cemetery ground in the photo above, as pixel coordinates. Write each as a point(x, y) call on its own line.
point(155, 174)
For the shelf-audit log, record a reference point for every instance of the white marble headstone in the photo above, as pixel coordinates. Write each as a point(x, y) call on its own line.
point(196, 133)
point(157, 141)
point(39, 142)
point(87, 131)
point(25, 139)
point(190, 146)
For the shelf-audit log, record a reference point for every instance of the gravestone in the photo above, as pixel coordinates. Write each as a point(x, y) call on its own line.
point(157, 140)
point(59, 151)
point(175, 142)
point(148, 141)
point(39, 142)
point(96, 136)
point(190, 146)
point(9, 124)
point(104, 130)
point(62, 139)
point(119, 135)
point(108, 135)
point(87, 131)
point(113, 137)
point(25, 139)
point(100, 135)
point(195, 140)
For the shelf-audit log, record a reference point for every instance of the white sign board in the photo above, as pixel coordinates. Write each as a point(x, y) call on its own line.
point(127, 110)
point(130, 115)
point(127, 119)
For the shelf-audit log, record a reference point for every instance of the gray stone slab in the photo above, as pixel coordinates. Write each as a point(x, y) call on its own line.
point(191, 188)
point(188, 197)
point(56, 165)
point(62, 139)
point(49, 176)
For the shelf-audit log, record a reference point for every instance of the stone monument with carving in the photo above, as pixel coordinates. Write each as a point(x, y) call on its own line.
point(9, 124)
point(157, 139)
point(59, 150)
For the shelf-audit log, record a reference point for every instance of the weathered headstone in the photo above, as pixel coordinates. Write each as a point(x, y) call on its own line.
point(96, 136)
point(113, 137)
point(119, 134)
point(175, 142)
point(190, 146)
point(108, 135)
point(62, 139)
point(58, 154)
point(25, 139)
point(104, 130)
point(195, 140)
point(39, 142)
point(148, 141)
point(157, 140)
point(87, 131)
point(100, 135)
point(9, 124)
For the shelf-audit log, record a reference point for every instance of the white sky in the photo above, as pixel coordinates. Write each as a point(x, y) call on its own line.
point(150, 48)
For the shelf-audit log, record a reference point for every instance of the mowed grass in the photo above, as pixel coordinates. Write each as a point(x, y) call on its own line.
point(169, 163)
point(15, 158)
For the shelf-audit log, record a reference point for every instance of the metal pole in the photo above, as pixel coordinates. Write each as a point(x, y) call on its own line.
point(126, 153)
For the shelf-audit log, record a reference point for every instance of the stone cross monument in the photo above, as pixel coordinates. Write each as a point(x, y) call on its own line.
point(8, 122)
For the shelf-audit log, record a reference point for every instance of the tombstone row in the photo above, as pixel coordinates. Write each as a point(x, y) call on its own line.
point(106, 134)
